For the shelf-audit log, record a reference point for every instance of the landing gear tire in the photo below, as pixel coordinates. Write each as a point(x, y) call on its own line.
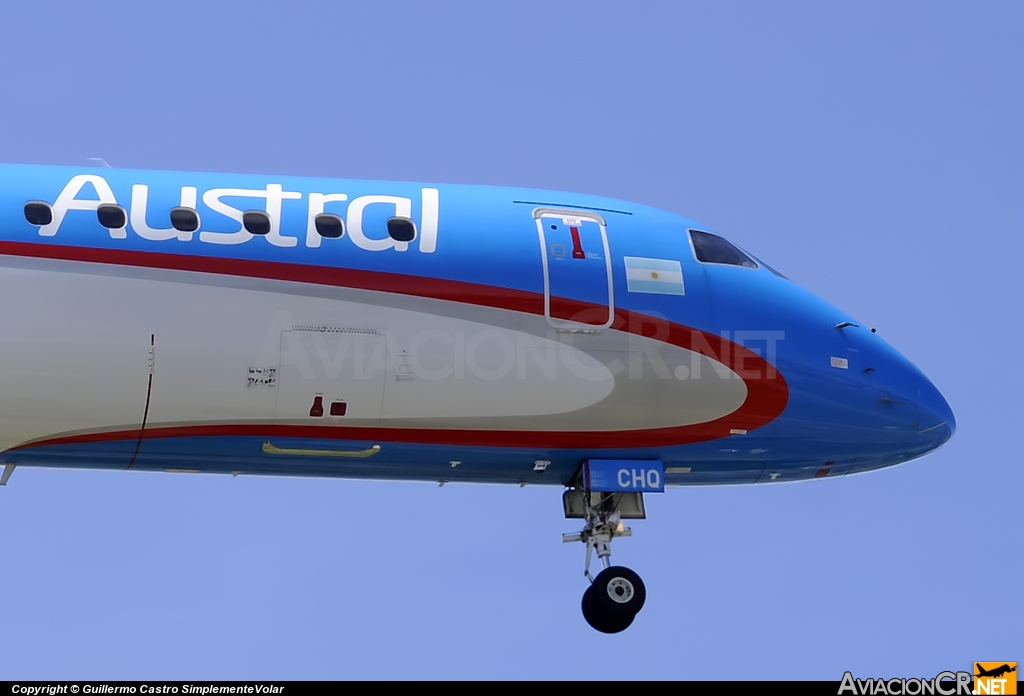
point(618, 591)
point(614, 597)
point(600, 619)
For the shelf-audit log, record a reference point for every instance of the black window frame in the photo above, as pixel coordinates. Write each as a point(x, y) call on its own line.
point(696, 256)
point(186, 210)
point(41, 205)
point(265, 217)
point(329, 216)
point(103, 208)
point(405, 221)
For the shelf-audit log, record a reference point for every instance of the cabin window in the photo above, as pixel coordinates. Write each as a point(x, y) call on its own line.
point(256, 222)
point(401, 229)
point(184, 219)
point(329, 225)
point(112, 216)
point(710, 248)
point(38, 213)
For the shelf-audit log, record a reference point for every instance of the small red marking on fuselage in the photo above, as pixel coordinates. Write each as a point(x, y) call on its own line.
point(577, 245)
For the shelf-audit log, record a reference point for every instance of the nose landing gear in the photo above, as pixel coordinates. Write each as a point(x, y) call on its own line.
point(617, 594)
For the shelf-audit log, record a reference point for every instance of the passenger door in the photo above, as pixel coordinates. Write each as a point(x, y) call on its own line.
point(578, 290)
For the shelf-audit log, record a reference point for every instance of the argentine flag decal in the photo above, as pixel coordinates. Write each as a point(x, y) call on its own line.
point(658, 276)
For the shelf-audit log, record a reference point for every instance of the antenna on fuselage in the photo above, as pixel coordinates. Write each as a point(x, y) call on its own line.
point(99, 162)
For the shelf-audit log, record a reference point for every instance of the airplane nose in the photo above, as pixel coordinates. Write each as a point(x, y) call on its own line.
point(931, 416)
point(937, 415)
point(939, 409)
point(914, 416)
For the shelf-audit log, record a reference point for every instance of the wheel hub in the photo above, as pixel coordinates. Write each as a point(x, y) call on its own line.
point(620, 590)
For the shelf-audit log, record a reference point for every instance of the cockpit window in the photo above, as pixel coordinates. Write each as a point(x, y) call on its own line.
point(709, 248)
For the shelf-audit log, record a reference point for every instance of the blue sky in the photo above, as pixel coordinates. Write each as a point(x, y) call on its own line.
point(872, 151)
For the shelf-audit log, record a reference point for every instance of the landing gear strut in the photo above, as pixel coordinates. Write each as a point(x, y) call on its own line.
point(617, 593)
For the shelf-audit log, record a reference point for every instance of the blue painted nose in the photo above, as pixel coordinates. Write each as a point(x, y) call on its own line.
point(931, 416)
point(938, 414)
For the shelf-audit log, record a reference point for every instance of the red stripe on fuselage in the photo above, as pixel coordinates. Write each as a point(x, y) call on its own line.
point(767, 392)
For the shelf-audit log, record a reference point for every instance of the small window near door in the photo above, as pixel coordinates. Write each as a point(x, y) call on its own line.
point(401, 229)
